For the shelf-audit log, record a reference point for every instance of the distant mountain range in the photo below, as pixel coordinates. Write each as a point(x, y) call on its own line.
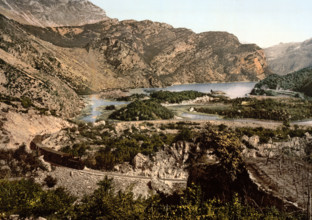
point(289, 57)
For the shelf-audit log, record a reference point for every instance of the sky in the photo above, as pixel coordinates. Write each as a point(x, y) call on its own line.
point(264, 22)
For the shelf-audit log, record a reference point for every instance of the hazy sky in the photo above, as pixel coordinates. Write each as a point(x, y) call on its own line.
point(264, 22)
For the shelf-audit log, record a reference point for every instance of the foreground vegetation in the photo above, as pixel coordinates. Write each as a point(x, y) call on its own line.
point(270, 109)
point(28, 199)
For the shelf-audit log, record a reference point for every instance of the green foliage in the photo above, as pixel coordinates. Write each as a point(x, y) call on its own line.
point(176, 97)
point(124, 149)
point(191, 205)
point(77, 150)
point(20, 162)
point(104, 204)
point(185, 134)
point(278, 134)
point(270, 109)
point(26, 198)
point(299, 81)
point(225, 145)
point(142, 110)
point(132, 97)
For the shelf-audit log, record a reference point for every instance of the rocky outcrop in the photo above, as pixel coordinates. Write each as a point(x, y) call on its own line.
point(278, 168)
point(47, 13)
point(169, 163)
point(289, 57)
point(293, 147)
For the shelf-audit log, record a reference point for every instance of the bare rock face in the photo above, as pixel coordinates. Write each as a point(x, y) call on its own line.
point(52, 13)
point(294, 146)
point(164, 168)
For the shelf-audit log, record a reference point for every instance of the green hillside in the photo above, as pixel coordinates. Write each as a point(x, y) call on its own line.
point(300, 81)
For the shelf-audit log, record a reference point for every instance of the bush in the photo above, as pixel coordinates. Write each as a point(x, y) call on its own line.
point(26, 198)
point(50, 181)
point(110, 107)
point(26, 102)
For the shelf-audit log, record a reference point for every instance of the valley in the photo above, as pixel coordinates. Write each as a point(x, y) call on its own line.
point(103, 118)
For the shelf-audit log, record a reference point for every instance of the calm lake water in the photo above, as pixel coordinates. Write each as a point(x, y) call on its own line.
point(233, 90)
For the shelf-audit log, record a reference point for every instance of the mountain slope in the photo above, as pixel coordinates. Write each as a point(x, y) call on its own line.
point(29, 70)
point(144, 54)
point(52, 13)
point(290, 57)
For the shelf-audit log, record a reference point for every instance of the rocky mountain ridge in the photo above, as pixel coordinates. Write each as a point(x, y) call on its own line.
point(48, 13)
point(286, 58)
point(135, 54)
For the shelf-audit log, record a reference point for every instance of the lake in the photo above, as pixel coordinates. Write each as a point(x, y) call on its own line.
point(233, 90)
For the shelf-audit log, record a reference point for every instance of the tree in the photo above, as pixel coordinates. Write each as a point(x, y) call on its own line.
point(225, 145)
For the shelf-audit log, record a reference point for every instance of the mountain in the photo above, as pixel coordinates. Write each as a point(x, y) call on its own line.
point(48, 13)
point(289, 57)
point(150, 54)
point(51, 65)
point(300, 81)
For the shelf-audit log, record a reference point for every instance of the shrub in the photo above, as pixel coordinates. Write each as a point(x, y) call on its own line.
point(26, 102)
point(50, 181)
point(110, 107)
